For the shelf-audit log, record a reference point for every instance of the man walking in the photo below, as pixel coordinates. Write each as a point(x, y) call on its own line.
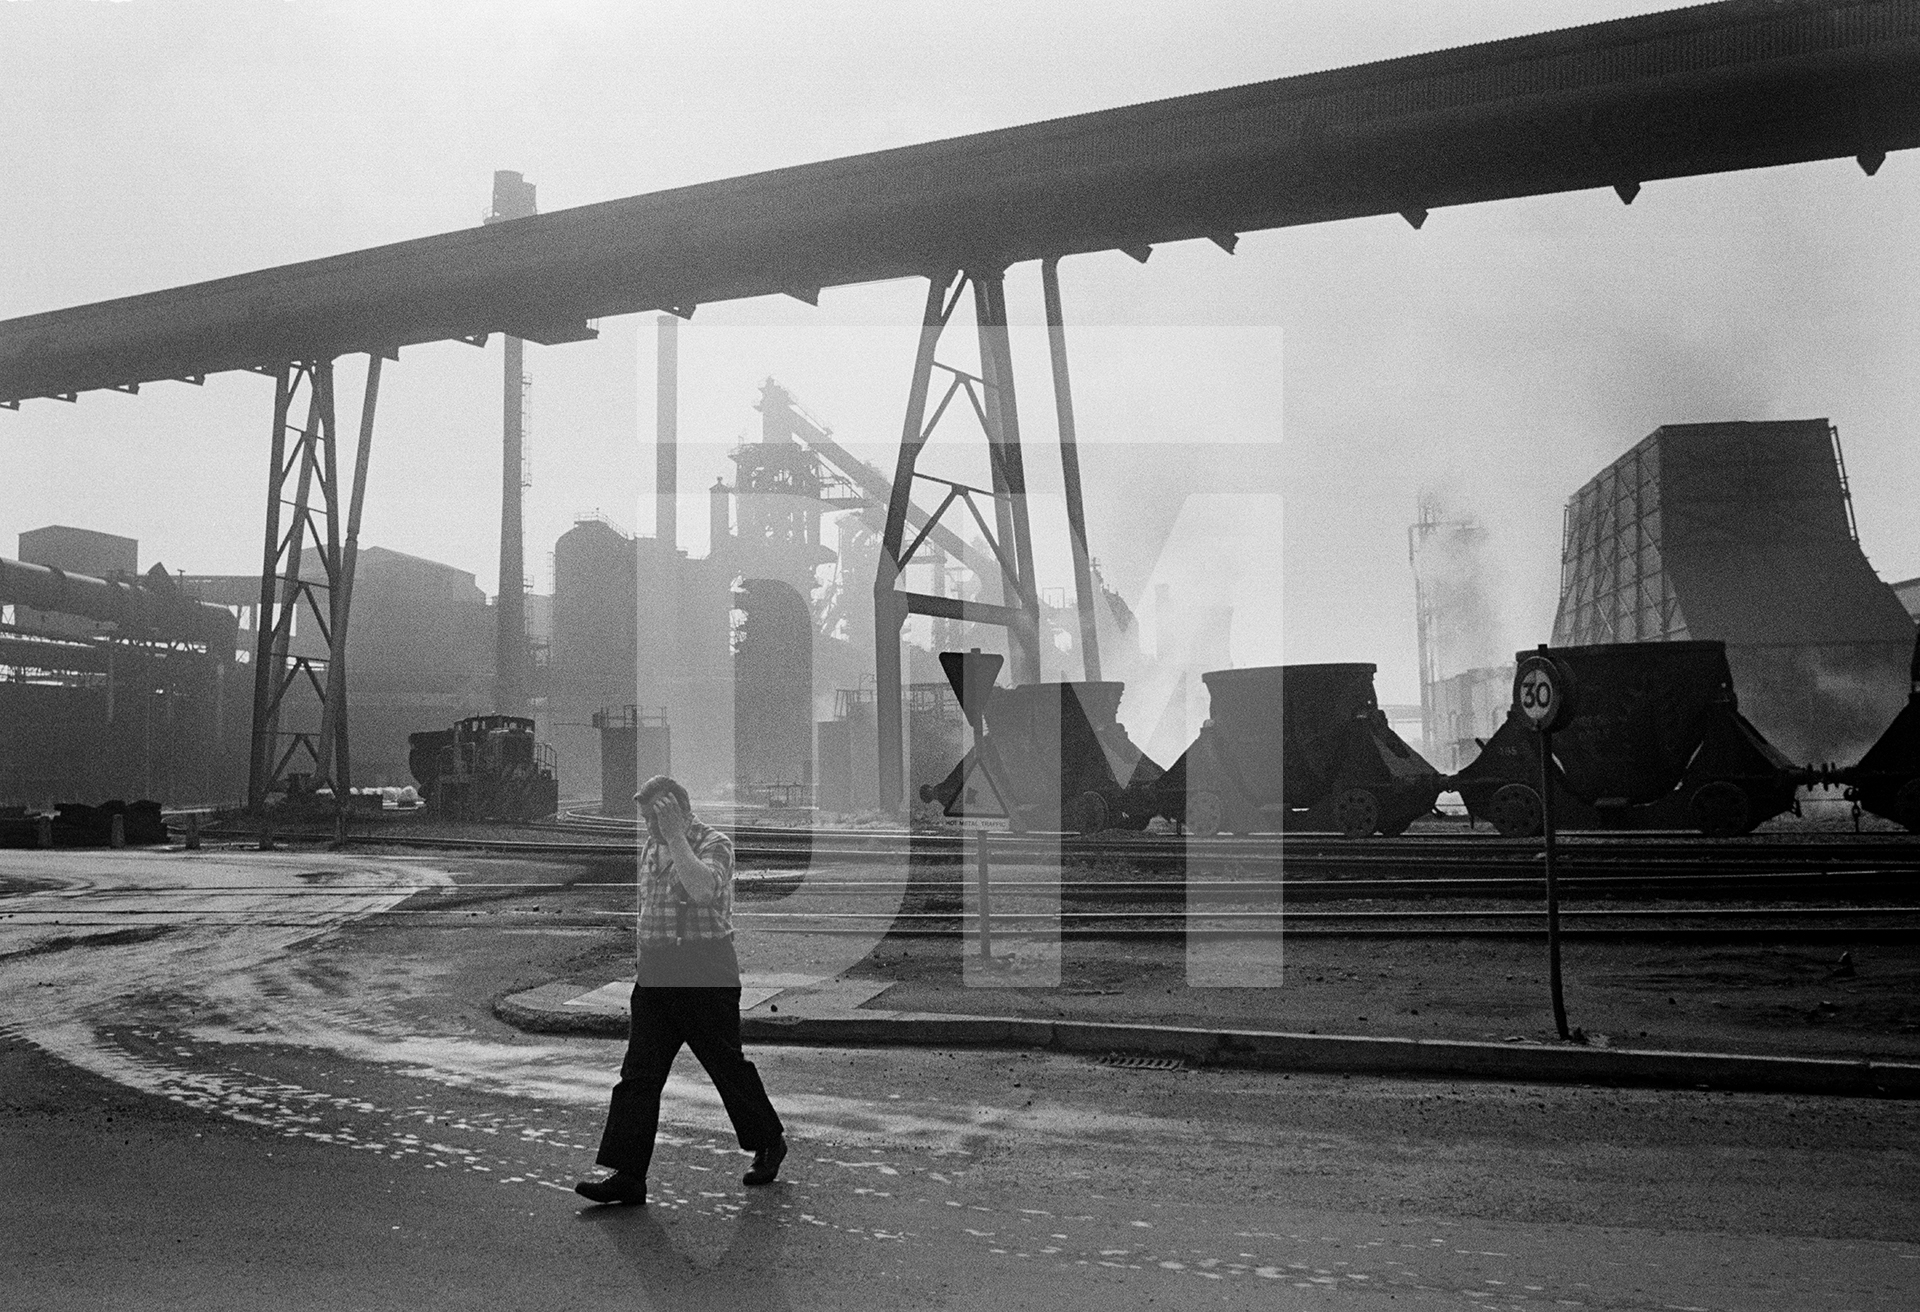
point(687, 991)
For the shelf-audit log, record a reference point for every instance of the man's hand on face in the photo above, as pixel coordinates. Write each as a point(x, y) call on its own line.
point(669, 819)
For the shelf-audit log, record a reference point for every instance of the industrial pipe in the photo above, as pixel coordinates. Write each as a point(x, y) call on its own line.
point(133, 606)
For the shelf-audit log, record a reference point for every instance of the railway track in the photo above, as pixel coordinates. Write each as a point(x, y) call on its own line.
point(1600, 872)
point(863, 901)
point(1435, 865)
point(1899, 925)
point(1321, 849)
point(1839, 889)
point(1761, 851)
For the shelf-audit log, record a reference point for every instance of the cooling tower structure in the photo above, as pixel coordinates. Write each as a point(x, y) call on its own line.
point(1744, 532)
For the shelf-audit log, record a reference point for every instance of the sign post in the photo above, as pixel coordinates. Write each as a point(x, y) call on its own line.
point(1543, 691)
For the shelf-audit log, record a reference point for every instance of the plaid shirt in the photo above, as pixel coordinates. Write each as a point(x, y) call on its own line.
point(665, 912)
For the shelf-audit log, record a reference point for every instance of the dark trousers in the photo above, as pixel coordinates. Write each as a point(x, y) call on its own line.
point(708, 1021)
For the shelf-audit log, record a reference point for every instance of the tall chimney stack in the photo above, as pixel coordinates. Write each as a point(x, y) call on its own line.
point(512, 199)
point(666, 521)
point(719, 517)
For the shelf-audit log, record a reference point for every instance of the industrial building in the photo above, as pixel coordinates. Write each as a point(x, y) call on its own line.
point(748, 672)
point(721, 647)
point(637, 623)
point(755, 663)
point(113, 684)
point(120, 684)
point(420, 656)
point(1459, 712)
point(1466, 678)
point(420, 652)
point(735, 657)
point(1744, 533)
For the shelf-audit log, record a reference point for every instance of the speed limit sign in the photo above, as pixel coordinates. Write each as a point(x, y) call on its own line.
point(1543, 693)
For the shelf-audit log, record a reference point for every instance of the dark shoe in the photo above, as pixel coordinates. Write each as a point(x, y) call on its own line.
point(616, 1188)
point(766, 1164)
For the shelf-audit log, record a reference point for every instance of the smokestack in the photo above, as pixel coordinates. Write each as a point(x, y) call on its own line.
point(719, 518)
point(666, 428)
point(513, 198)
point(776, 413)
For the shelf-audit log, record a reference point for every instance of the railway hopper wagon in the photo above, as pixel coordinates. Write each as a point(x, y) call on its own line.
point(486, 767)
point(1657, 741)
point(1054, 752)
point(1297, 747)
point(1886, 781)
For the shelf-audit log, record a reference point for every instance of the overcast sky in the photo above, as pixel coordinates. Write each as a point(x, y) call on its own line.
point(1504, 352)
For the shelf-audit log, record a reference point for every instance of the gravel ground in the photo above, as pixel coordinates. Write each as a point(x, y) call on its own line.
point(1750, 998)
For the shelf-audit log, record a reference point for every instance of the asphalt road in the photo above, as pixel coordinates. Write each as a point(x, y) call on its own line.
point(264, 1100)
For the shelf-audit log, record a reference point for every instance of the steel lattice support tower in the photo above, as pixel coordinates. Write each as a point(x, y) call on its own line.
point(305, 457)
point(1009, 538)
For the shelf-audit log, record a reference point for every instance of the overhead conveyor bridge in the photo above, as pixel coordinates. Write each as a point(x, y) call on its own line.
point(1748, 84)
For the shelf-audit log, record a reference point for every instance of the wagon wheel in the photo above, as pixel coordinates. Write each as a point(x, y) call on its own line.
point(1206, 813)
point(1357, 812)
point(1906, 805)
point(1515, 811)
point(1086, 814)
point(1720, 810)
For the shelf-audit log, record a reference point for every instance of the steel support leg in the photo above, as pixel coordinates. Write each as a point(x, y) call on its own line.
point(258, 762)
point(1009, 475)
point(266, 684)
point(1011, 539)
point(284, 665)
point(342, 597)
point(328, 471)
point(1070, 472)
point(889, 609)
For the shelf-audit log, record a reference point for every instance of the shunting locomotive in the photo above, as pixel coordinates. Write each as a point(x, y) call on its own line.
point(487, 767)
